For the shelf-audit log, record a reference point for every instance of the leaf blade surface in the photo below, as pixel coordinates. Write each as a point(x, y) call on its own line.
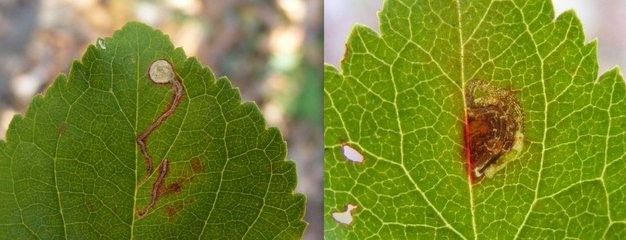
point(399, 99)
point(72, 168)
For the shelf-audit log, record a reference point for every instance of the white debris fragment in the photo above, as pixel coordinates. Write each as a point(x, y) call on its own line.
point(352, 154)
point(346, 216)
point(101, 43)
point(161, 71)
point(5, 119)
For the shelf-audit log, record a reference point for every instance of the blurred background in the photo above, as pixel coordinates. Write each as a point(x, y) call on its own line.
point(602, 19)
point(270, 49)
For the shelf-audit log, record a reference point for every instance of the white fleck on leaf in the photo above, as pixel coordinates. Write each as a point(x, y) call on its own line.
point(345, 217)
point(161, 71)
point(101, 43)
point(352, 154)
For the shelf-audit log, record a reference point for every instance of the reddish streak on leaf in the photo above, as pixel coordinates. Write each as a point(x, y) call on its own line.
point(179, 91)
point(467, 148)
point(490, 127)
point(157, 187)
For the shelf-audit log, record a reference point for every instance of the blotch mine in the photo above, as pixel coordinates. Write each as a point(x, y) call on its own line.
point(493, 128)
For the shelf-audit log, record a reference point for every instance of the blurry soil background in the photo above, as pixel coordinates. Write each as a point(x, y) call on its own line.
point(271, 50)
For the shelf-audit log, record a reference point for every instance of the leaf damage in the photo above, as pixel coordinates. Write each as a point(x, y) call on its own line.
point(178, 92)
point(493, 128)
point(159, 70)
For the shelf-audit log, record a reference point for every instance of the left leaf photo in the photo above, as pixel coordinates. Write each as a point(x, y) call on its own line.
point(161, 119)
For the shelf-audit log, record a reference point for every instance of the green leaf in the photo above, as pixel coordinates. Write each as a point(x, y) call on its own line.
point(72, 168)
point(400, 101)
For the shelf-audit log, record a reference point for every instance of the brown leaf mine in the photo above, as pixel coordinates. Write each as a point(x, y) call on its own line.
point(160, 71)
point(157, 188)
point(493, 128)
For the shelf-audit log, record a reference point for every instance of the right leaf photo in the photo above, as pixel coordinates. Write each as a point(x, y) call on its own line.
point(482, 119)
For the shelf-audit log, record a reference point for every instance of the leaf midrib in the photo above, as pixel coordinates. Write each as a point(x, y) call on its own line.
point(463, 81)
point(132, 226)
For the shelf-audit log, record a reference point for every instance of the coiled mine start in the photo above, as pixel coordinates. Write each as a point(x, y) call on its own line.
point(493, 128)
point(161, 71)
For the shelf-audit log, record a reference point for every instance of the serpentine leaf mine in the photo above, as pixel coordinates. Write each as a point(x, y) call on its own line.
point(160, 72)
point(157, 187)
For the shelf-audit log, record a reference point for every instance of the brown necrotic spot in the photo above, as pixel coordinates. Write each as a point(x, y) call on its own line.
point(196, 165)
point(174, 187)
point(493, 128)
point(62, 127)
point(171, 210)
